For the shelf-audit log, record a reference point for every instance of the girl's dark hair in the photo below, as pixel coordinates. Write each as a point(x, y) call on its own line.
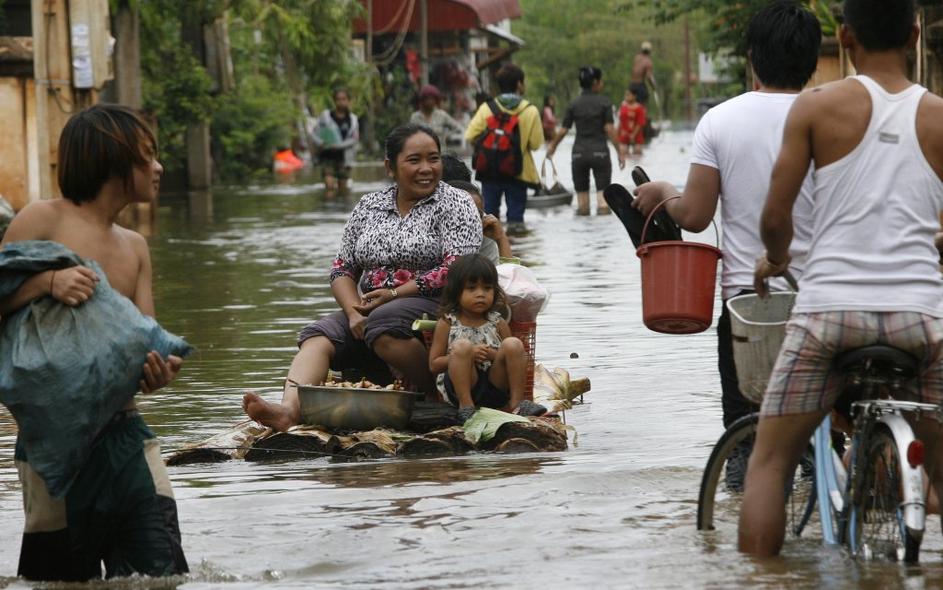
point(547, 99)
point(880, 24)
point(340, 90)
point(588, 76)
point(471, 269)
point(397, 139)
point(783, 40)
point(101, 142)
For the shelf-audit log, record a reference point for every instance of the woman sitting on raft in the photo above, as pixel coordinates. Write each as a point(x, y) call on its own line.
point(397, 247)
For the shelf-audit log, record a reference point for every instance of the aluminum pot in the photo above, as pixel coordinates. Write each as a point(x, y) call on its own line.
point(354, 408)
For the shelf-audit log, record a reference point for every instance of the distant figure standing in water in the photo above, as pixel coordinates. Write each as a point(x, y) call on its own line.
point(430, 115)
point(548, 118)
point(643, 71)
point(336, 134)
point(591, 112)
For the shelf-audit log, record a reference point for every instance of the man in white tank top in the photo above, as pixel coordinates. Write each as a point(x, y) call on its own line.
point(872, 275)
point(735, 147)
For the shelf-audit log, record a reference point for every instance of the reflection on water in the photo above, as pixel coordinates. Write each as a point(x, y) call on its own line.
point(240, 273)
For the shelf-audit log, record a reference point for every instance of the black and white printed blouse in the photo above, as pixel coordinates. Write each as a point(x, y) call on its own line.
point(383, 250)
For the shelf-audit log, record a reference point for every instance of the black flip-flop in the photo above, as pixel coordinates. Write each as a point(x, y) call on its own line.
point(661, 229)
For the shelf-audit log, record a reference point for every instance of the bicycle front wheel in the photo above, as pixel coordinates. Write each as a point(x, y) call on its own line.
point(721, 492)
point(876, 527)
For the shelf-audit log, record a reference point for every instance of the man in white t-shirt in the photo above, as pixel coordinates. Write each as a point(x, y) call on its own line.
point(876, 141)
point(735, 146)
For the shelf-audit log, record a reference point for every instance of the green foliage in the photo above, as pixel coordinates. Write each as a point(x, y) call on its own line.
point(175, 86)
point(564, 35)
point(248, 125)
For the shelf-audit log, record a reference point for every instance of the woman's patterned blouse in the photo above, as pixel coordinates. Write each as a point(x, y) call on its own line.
point(383, 250)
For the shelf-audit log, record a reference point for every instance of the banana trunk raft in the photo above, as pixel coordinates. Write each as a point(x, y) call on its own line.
point(434, 431)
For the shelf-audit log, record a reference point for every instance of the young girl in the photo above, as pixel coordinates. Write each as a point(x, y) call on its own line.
point(478, 362)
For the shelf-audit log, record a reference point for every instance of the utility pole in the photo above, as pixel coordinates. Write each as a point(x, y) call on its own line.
point(687, 71)
point(424, 42)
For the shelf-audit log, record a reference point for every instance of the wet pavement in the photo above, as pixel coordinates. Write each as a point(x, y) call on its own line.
point(239, 274)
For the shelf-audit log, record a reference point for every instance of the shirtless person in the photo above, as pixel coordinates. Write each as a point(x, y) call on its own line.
point(872, 275)
point(643, 70)
point(107, 160)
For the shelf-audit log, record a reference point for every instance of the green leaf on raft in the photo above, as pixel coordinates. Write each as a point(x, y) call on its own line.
point(485, 423)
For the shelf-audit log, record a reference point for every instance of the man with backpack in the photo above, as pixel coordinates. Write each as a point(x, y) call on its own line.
point(504, 132)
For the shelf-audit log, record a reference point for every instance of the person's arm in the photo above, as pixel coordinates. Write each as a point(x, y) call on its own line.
point(552, 144)
point(157, 372)
point(72, 286)
point(438, 351)
point(459, 230)
point(614, 138)
point(478, 123)
point(451, 123)
point(697, 205)
point(492, 227)
point(789, 172)
point(536, 136)
point(650, 73)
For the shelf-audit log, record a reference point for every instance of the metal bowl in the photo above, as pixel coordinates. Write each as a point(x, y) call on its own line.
point(355, 408)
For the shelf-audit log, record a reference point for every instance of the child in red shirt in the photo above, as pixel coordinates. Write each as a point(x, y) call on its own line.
point(632, 123)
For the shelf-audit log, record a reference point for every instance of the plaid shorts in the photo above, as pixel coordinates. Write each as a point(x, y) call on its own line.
point(802, 381)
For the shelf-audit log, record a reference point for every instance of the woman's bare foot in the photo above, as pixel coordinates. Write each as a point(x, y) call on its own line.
point(275, 416)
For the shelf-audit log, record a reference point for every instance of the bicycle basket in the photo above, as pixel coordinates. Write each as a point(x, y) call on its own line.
point(758, 327)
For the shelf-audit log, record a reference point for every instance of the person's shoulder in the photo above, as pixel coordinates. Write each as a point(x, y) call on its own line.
point(37, 220)
point(450, 195)
point(376, 200)
point(136, 241)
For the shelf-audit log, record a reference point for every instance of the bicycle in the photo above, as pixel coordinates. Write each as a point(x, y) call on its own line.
point(878, 507)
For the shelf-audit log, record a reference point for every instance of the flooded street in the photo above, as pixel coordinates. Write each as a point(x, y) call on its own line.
point(239, 276)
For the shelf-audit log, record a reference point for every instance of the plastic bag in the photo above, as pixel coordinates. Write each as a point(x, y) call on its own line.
point(65, 371)
point(525, 296)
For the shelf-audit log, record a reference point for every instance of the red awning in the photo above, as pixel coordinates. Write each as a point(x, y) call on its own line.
point(389, 16)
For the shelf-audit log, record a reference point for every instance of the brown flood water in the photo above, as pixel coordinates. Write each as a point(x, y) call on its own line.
point(238, 276)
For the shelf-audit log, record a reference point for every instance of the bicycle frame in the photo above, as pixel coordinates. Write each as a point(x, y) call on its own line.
point(833, 487)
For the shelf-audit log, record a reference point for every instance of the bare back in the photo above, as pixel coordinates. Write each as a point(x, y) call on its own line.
point(840, 113)
point(642, 68)
point(122, 253)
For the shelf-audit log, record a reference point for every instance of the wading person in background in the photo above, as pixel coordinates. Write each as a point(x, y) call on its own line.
point(120, 508)
point(632, 123)
point(506, 167)
point(872, 276)
point(735, 147)
point(548, 117)
point(643, 72)
point(430, 115)
point(591, 112)
point(336, 136)
point(396, 251)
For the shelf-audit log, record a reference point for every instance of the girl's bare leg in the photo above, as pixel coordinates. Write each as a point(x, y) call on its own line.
point(509, 370)
point(462, 372)
point(310, 366)
point(410, 357)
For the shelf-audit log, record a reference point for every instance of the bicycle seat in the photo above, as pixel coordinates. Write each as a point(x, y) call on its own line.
point(879, 360)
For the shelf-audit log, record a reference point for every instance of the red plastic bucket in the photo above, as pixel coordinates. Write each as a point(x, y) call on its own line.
point(678, 282)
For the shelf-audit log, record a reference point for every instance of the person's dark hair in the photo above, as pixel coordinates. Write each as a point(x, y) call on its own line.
point(589, 75)
point(454, 168)
point(547, 99)
point(464, 185)
point(471, 268)
point(880, 24)
point(340, 90)
point(397, 139)
point(508, 77)
point(783, 41)
point(99, 143)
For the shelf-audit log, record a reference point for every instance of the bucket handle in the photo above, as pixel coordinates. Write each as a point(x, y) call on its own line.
point(662, 204)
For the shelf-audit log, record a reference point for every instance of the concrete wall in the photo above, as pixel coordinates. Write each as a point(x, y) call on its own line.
point(18, 155)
